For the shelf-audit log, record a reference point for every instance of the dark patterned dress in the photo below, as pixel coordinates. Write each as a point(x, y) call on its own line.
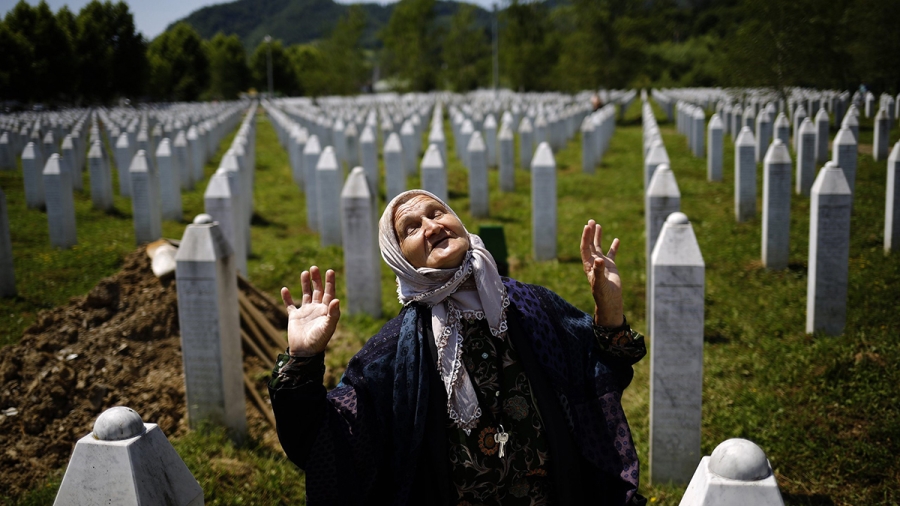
point(480, 475)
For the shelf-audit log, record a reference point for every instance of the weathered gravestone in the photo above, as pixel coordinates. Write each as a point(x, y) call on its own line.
point(368, 153)
point(507, 173)
point(655, 157)
point(776, 224)
point(698, 123)
point(434, 173)
point(296, 145)
point(715, 147)
point(60, 203)
point(892, 202)
point(490, 139)
point(181, 154)
point(676, 352)
point(478, 177)
point(465, 133)
point(806, 158)
point(169, 181)
point(101, 177)
point(844, 153)
point(822, 136)
point(222, 201)
point(829, 252)
point(7, 271)
point(783, 129)
point(123, 155)
point(543, 203)
point(7, 152)
point(408, 148)
point(362, 264)
point(745, 176)
point(329, 181)
point(394, 173)
point(763, 134)
point(311, 154)
point(526, 146)
point(69, 162)
point(662, 199)
point(145, 201)
point(880, 139)
point(195, 149)
point(206, 280)
point(32, 176)
point(127, 462)
point(737, 473)
point(436, 137)
point(351, 139)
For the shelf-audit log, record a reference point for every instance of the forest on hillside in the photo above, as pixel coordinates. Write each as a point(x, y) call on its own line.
point(97, 56)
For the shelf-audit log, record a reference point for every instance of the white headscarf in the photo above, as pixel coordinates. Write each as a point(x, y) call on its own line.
point(452, 299)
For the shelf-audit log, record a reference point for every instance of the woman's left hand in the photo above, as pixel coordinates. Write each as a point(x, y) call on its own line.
point(601, 271)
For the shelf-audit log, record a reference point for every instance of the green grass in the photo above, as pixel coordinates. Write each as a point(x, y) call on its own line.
point(822, 408)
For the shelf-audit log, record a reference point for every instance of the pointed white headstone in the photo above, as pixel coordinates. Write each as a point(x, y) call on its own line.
point(101, 177)
point(745, 176)
point(32, 176)
point(394, 172)
point(145, 200)
point(329, 182)
point(543, 203)
point(60, 203)
point(7, 271)
point(776, 224)
point(362, 265)
point(311, 154)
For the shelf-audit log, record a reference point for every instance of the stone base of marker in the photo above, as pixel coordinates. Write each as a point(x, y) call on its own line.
point(125, 461)
point(737, 473)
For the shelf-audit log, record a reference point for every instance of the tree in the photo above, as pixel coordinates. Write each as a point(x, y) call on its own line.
point(466, 52)
point(228, 71)
point(526, 52)
point(284, 80)
point(410, 49)
point(308, 63)
point(179, 67)
point(345, 65)
point(52, 65)
point(16, 55)
point(112, 55)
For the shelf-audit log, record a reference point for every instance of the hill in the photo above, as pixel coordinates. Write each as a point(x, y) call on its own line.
point(300, 21)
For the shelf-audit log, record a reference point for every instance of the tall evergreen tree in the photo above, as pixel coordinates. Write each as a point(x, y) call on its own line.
point(410, 46)
point(179, 67)
point(228, 71)
point(466, 52)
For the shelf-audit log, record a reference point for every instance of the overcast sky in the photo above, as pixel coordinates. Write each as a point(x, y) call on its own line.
point(153, 16)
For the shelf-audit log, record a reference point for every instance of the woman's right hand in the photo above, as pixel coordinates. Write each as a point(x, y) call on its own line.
point(311, 325)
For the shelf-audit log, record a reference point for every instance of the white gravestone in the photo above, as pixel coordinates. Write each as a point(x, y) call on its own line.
point(655, 157)
point(698, 123)
point(478, 177)
point(745, 176)
point(181, 155)
point(222, 201)
point(676, 352)
point(60, 203)
point(851, 122)
point(829, 252)
point(662, 199)
point(587, 146)
point(311, 154)
point(526, 143)
point(195, 150)
point(296, 144)
point(368, 154)
point(737, 474)
point(394, 173)
point(715, 147)
point(822, 136)
point(880, 138)
point(436, 137)
point(206, 279)
point(844, 153)
point(7, 271)
point(465, 133)
point(329, 182)
point(507, 173)
point(101, 177)
point(7, 152)
point(69, 159)
point(763, 134)
point(490, 139)
point(776, 224)
point(169, 182)
point(783, 129)
point(362, 265)
point(32, 176)
point(543, 203)
point(351, 140)
point(123, 156)
point(434, 173)
point(408, 148)
point(145, 201)
point(892, 202)
point(806, 158)
point(127, 462)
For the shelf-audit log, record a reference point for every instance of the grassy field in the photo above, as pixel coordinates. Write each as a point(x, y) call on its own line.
point(823, 408)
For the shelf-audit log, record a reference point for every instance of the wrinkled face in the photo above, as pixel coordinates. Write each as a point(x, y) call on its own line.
point(430, 235)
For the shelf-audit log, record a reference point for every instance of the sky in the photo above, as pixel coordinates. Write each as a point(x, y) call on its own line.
point(153, 16)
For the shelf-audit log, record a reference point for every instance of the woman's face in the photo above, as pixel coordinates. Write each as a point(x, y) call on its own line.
point(430, 235)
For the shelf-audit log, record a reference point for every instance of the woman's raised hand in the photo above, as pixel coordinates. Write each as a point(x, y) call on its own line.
point(601, 271)
point(311, 325)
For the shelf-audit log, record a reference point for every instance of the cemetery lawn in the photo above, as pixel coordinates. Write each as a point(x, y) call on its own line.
point(823, 408)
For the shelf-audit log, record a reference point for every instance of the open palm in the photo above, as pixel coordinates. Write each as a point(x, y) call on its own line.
point(311, 325)
point(603, 275)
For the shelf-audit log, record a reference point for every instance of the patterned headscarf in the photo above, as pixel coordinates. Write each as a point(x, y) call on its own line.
point(472, 290)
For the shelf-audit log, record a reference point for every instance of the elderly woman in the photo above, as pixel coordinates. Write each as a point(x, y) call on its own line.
point(483, 390)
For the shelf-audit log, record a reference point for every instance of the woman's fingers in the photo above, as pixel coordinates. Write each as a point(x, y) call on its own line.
point(613, 249)
point(286, 297)
point(316, 278)
point(306, 286)
point(329, 287)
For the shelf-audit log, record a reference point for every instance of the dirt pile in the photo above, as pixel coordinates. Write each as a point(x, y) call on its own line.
point(118, 345)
